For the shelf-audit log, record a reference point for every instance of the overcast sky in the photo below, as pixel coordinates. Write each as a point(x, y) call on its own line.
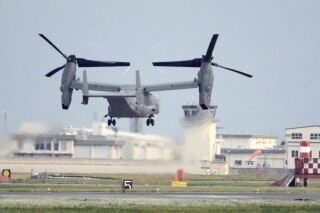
point(276, 41)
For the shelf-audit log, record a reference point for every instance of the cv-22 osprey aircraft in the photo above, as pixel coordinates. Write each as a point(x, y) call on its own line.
point(134, 101)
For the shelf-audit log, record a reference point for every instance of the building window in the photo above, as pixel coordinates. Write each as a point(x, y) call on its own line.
point(37, 146)
point(310, 154)
point(56, 146)
point(296, 135)
point(48, 146)
point(294, 153)
point(249, 163)
point(238, 162)
point(319, 154)
point(314, 136)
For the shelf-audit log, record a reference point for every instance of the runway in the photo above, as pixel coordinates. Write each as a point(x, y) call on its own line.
point(129, 195)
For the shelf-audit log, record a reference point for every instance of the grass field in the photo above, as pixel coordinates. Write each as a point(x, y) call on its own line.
point(151, 183)
point(155, 205)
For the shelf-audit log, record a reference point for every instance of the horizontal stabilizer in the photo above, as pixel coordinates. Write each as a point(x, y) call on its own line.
point(85, 91)
point(139, 94)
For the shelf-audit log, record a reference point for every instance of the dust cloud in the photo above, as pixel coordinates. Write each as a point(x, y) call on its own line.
point(32, 128)
point(198, 147)
point(8, 146)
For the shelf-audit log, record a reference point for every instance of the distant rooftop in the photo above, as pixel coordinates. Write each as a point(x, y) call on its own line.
point(246, 136)
point(246, 151)
point(303, 127)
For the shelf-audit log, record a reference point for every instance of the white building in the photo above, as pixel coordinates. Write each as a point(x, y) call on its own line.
point(297, 134)
point(239, 149)
point(100, 142)
point(239, 141)
point(244, 158)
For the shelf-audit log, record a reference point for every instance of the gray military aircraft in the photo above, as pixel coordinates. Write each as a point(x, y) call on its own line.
point(134, 101)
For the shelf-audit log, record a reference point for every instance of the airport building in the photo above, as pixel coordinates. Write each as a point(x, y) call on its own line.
point(100, 142)
point(201, 150)
point(251, 151)
point(220, 153)
point(246, 141)
point(297, 134)
point(247, 158)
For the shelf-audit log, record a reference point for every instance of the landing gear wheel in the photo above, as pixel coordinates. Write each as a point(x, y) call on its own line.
point(150, 121)
point(109, 122)
point(114, 122)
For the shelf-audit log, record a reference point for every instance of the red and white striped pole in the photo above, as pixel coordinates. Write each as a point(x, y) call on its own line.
point(305, 150)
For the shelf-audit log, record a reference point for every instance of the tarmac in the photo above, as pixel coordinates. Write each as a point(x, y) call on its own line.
point(129, 195)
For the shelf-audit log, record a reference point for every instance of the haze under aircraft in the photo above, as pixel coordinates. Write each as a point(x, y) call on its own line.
point(134, 101)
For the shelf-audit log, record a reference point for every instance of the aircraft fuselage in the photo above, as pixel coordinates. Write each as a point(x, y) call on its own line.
point(127, 107)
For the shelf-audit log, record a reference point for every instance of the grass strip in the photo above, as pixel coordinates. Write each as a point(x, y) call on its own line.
point(155, 205)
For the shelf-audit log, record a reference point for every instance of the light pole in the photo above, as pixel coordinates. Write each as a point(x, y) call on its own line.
point(4, 115)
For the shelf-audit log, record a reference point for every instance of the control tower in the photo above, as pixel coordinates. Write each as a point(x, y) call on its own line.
point(199, 145)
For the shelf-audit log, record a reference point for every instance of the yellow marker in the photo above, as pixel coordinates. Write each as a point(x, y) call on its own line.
point(178, 184)
point(6, 172)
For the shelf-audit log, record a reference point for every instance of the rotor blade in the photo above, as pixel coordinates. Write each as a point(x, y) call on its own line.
point(49, 74)
point(189, 63)
point(233, 70)
point(211, 47)
point(54, 46)
point(89, 63)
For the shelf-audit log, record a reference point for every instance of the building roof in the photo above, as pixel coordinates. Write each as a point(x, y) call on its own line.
point(303, 127)
point(250, 151)
point(246, 136)
point(21, 137)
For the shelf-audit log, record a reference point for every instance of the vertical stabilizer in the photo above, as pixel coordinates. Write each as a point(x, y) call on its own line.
point(138, 88)
point(85, 91)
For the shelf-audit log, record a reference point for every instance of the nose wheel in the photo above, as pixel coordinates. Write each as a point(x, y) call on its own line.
point(111, 122)
point(150, 121)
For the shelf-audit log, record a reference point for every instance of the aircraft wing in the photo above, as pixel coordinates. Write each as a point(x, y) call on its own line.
point(171, 86)
point(96, 86)
point(112, 95)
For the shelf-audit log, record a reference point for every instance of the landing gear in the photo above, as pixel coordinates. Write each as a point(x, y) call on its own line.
point(150, 121)
point(111, 122)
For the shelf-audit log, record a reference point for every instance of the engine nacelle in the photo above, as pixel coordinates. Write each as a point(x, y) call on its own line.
point(204, 97)
point(66, 99)
point(68, 75)
point(205, 78)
